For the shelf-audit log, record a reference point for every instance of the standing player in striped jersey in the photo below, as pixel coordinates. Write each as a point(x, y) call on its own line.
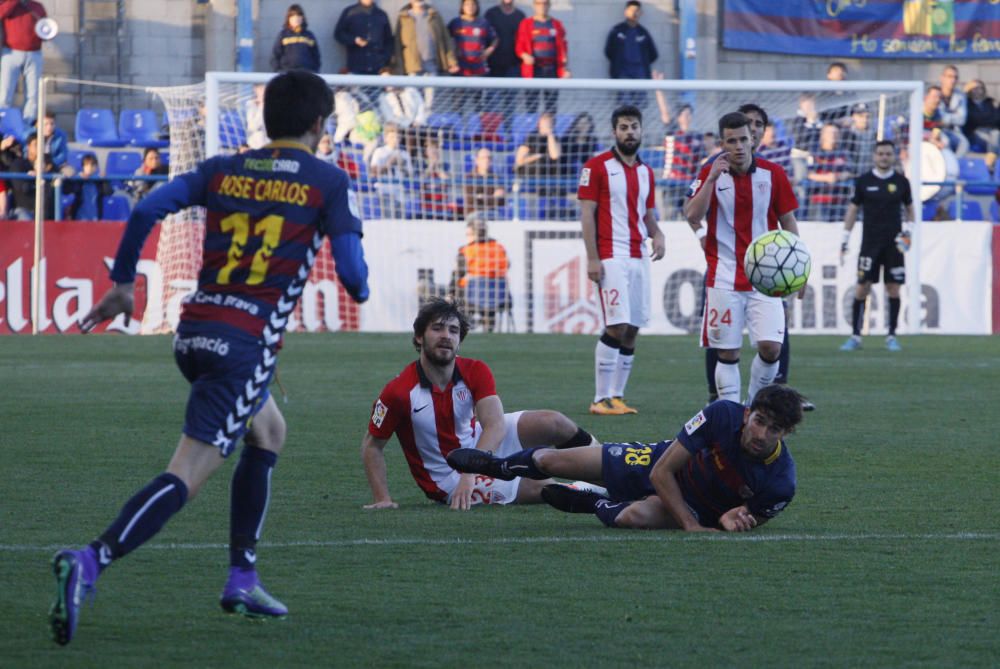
point(618, 209)
point(740, 197)
point(441, 403)
point(267, 212)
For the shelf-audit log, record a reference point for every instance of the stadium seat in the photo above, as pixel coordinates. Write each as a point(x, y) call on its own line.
point(116, 208)
point(138, 127)
point(122, 163)
point(563, 124)
point(974, 170)
point(971, 211)
point(232, 129)
point(65, 202)
point(12, 123)
point(488, 300)
point(995, 211)
point(930, 210)
point(96, 127)
point(493, 132)
point(75, 159)
point(520, 126)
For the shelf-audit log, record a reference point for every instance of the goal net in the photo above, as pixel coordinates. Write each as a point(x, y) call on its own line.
point(426, 153)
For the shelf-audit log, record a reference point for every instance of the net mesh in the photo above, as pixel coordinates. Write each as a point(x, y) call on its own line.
point(426, 153)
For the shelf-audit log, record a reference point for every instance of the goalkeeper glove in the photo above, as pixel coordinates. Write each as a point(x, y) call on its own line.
point(903, 240)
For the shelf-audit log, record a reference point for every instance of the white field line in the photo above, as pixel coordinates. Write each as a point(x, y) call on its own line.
point(611, 537)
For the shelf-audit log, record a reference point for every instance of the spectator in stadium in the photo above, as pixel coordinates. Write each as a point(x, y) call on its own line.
point(391, 166)
point(481, 272)
point(21, 55)
point(683, 153)
point(578, 144)
point(728, 468)
point(475, 42)
point(631, 51)
point(296, 47)
point(442, 402)
point(152, 165)
point(859, 137)
point(807, 124)
point(366, 33)
point(423, 44)
point(836, 71)
point(541, 46)
point(836, 113)
point(505, 19)
point(254, 111)
point(89, 190)
point(778, 151)
point(435, 182)
point(539, 158)
point(407, 109)
point(829, 176)
point(484, 189)
point(23, 190)
point(982, 124)
point(326, 150)
point(953, 111)
point(56, 142)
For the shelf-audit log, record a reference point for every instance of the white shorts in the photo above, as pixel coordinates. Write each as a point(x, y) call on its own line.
point(727, 312)
point(489, 490)
point(625, 294)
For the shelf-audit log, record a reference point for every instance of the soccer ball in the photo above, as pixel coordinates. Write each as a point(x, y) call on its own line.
point(777, 263)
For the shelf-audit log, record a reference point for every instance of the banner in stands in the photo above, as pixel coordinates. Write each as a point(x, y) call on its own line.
point(549, 289)
point(947, 29)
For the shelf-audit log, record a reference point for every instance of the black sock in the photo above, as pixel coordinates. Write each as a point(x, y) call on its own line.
point(581, 438)
point(607, 511)
point(711, 358)
point(141, 518)
point(522, 464)
point(249, 497)
point(784, 359)
point(893, 314)
point(857, 311)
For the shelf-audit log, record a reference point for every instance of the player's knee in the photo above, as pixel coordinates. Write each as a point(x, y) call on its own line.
point(769, 351)
point(631, 518)
point(545, 459)
point(269, 434)
point(616, 332)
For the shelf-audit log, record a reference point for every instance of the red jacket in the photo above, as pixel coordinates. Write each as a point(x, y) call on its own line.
point(19, 19)
point(522, 45)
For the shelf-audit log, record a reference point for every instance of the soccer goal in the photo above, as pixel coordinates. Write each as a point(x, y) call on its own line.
point(426, 152)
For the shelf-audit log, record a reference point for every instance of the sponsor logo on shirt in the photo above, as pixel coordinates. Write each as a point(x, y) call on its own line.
point(695, 423)
point(585, 177)
point(379, 414)
point(693, 188)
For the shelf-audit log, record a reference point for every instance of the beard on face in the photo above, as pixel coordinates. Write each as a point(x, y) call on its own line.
point(628, 147)
point(438, 356)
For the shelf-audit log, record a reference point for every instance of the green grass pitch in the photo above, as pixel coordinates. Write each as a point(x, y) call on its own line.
point(889, 555)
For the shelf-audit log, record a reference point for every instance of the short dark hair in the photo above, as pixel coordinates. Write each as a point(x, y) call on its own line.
point(733, 120)
point(885, 142)
point(437, 309)
point(462, 2)
point(836, 63)
point(633, 3)
point(89, 158)
point(780, 403)
point(296, 9)
point(755, 108)
point(626, 111)
point(293, 101)
point(149, 150)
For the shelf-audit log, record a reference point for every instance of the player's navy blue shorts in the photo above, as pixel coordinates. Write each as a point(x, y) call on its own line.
point(229, 385)
point(626, 467)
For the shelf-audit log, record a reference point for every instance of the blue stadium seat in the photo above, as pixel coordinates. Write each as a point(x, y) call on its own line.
point(486, 294)
point(75, 159)
point(65, 202)
point(96, 127)
point(445, 120)
point(116, 208)
point(138, 127)
point(995, 211)
point(563, 123)
point(122, 163)
point(930, 209)
point(12, 123)
point(975, 170)
point(232, 129)
point(971, 211)
point(520, 126)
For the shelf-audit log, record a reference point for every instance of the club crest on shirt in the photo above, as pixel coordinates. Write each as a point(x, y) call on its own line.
point(585, 176)
point(462, 395)
point(695, 423)
point(379, 414)
point(892, 188)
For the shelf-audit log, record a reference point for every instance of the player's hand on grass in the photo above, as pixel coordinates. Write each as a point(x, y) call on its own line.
point(595, 271)
point(738, 520)
point(382, 504)
point(461, 499)
point(118, 300)
point(659, 246)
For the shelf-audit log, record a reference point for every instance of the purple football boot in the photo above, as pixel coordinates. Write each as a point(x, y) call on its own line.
point(245, 595)
point(76, 572)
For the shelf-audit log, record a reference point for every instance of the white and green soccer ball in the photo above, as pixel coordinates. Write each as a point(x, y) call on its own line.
point(777, 263)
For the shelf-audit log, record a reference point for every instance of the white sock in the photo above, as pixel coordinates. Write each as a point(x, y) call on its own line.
point(621, 374)
point(727, 380)
point(761, 374)
point(605, 369)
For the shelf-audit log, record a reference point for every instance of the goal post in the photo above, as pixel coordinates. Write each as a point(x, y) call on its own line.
point(415, 215)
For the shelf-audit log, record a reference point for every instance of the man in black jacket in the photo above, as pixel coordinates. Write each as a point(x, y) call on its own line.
point(631, 51)
point(365, 31)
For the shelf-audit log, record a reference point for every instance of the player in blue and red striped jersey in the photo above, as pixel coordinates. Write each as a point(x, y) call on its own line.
point(475, 40)
point(442, 402)
point(728, 468)
point(268, 211)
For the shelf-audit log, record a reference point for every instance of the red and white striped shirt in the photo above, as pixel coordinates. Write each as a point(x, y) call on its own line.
point(431, 423)
point(623, 195)
point(742, 207)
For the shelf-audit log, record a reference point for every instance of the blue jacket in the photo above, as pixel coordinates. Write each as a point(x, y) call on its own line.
point(371, 24)
point(57, 147)
point(295, 51)
point(614, 49)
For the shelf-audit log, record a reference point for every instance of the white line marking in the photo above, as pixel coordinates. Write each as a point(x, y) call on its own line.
point(603, 538)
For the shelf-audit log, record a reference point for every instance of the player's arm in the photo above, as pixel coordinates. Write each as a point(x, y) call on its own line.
point(169, 198)
point(697, 205)
point(667, 489)
point(373, 456)
point(489, 413)
point(343, 226)
point(653, 228)
point(739, 519)
point(789, 222)
point(588, 220)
